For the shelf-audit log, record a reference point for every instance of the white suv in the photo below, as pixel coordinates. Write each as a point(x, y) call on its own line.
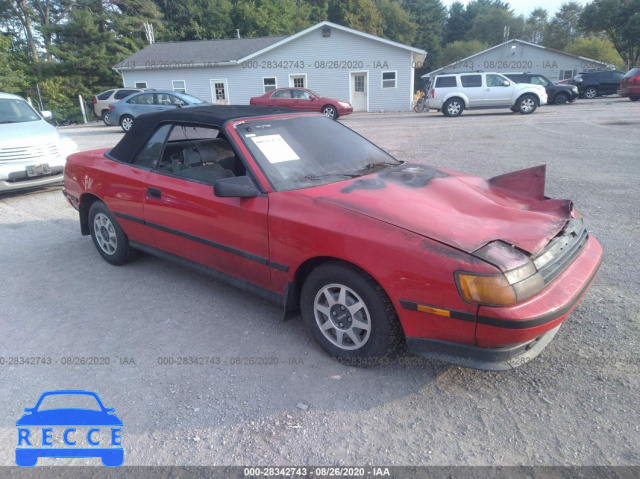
point(455, 92)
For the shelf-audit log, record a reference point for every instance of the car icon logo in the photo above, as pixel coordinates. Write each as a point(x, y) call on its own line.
point(69, 432)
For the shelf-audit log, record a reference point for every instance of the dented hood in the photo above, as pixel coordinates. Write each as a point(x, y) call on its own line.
point(463, 211)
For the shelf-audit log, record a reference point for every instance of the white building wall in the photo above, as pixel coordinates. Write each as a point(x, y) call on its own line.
point(327, 62)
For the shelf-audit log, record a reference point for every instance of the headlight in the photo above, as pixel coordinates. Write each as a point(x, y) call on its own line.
point(518, 281)
point(67, 146)
point(574, 89)
point(346, 104)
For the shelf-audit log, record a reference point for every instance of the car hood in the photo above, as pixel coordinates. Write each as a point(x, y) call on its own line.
point(69, 417)
point(31, 133)
point(462, 211)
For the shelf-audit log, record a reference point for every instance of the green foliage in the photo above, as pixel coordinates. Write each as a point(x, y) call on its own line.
point(563, 28)
point(489, 26)
point(457, 23)
point(535, 26)
point(430, 17)
point(460, 49)
point(600, 49)
point(14, 69)
point(619, 20)
point(357, 14)
point(396, 24)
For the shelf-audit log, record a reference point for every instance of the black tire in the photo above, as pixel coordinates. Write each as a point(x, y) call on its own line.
point(108, 237)
point(330, 111)
point(634, 98)
point(420, 107)
point(561, 99)
point(527, 104)
point(105, 117)
point(453, 107)
point(376, 312)
point(126, 122)
point(590, 92)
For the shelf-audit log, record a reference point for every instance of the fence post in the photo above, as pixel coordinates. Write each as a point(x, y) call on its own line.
point(84, 115)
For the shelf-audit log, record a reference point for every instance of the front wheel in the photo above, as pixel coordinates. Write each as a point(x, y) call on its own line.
point(590, 93)
point(105, 117)
point(561, 99)
point(109, 239)
point(634, 98)
point(453, 107)
point(527, 104)
point(126, 122)
point(420, 107)
point(330, 112)
point(349, 314)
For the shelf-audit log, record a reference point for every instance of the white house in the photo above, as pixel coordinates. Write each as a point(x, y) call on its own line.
point(373, 73)
point(520, 56)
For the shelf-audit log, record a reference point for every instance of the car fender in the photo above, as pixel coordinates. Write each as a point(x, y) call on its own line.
point(457, 94)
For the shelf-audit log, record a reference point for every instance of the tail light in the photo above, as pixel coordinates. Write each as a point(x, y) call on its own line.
point(111, 107)
point(433, 93)
point(635, 79)
point(95, 100)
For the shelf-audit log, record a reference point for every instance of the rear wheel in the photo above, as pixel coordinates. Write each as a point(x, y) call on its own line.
point(634, 98)
point(349, 314)
point(453, 107)
point(105, 117)
point(126, 122)
point(108, 237)
point(527, 104)
point(561, 99)
point(591, 93)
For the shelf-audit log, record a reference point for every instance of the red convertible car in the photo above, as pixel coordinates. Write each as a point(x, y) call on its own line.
point(303, 99)
point(370, 250)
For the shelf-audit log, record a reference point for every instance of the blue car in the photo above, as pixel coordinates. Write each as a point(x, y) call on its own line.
point(105, 430)
point(125, 112)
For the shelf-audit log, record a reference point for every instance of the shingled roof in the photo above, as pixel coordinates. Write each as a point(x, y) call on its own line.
point(197, 52)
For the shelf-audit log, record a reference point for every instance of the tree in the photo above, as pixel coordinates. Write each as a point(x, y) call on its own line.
point(563, 28)
point(357, 14)
point(430, 17)
point(600, 49)
point(619, 20)
point(457, 23)
point(535, 26)
point(459, 50)
point(196, 19)
point(396, 24)
point(14, 74)
point(489, 26)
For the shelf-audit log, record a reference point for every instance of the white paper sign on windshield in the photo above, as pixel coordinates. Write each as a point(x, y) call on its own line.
point(275, 149)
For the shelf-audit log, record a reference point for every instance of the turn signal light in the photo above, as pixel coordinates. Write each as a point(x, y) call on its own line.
point(491, 290)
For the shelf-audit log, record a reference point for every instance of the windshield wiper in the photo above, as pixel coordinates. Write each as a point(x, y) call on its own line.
point(8, 121)
point(374, 166)
point(325, 175)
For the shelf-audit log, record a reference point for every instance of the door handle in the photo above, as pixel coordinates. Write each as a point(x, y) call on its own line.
point(154, 193)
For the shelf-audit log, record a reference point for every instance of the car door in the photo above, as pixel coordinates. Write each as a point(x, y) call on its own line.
point(186, 219)
point(143, 103)
point(302, 101)
point(497, 90)
point(472, 85)
point(282, 98)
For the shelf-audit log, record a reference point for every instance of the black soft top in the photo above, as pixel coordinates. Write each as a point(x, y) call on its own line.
point(211, 115)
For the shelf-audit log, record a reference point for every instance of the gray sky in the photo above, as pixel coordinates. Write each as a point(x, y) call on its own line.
point(524, 7)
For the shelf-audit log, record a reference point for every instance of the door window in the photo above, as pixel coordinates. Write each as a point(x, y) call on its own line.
point(220, 92)
point(144, 99)
point(150, 154)
point(471, 81)
point(358, 81)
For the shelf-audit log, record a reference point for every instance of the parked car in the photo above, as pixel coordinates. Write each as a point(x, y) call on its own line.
point(597, 83)
point(101, 101)
point(630, 85)
point(124, 112)
point(298, 208)
point(32, 153)
point(558, 94)
point(452, 93)
point(303, 99)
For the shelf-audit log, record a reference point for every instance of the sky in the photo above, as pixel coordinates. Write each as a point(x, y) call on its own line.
point(524, 7)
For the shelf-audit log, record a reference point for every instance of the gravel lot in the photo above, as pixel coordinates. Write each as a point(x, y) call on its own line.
point(577, 404)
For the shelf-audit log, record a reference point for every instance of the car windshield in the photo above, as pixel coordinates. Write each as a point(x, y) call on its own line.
point(14, 110)
point(540, 80)
point(188, 98)
point(69, 401)
point(302, 152)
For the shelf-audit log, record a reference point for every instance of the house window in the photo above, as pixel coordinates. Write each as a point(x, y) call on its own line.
point(269, 84)
point(179, 85)
point(388, 79)
point(298, 81)
point(141, 84)
point(566, 74)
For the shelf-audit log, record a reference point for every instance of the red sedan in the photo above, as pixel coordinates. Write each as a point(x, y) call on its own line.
point(303, 99)
point(370, 250)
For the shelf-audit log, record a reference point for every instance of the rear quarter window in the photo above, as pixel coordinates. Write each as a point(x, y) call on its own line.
point(445, 82)
point(105, 95)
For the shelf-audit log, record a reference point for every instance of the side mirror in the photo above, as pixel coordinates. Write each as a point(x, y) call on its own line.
point(46, 115)
point(506, 83)
point(313, 97)
point(29, 409)
point(235, 187)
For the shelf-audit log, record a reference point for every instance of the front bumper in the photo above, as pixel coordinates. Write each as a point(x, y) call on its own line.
point(13, 174)
point(486, 359)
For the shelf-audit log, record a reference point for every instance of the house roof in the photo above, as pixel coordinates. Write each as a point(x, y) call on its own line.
point(506, 43)
point(228, 51)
